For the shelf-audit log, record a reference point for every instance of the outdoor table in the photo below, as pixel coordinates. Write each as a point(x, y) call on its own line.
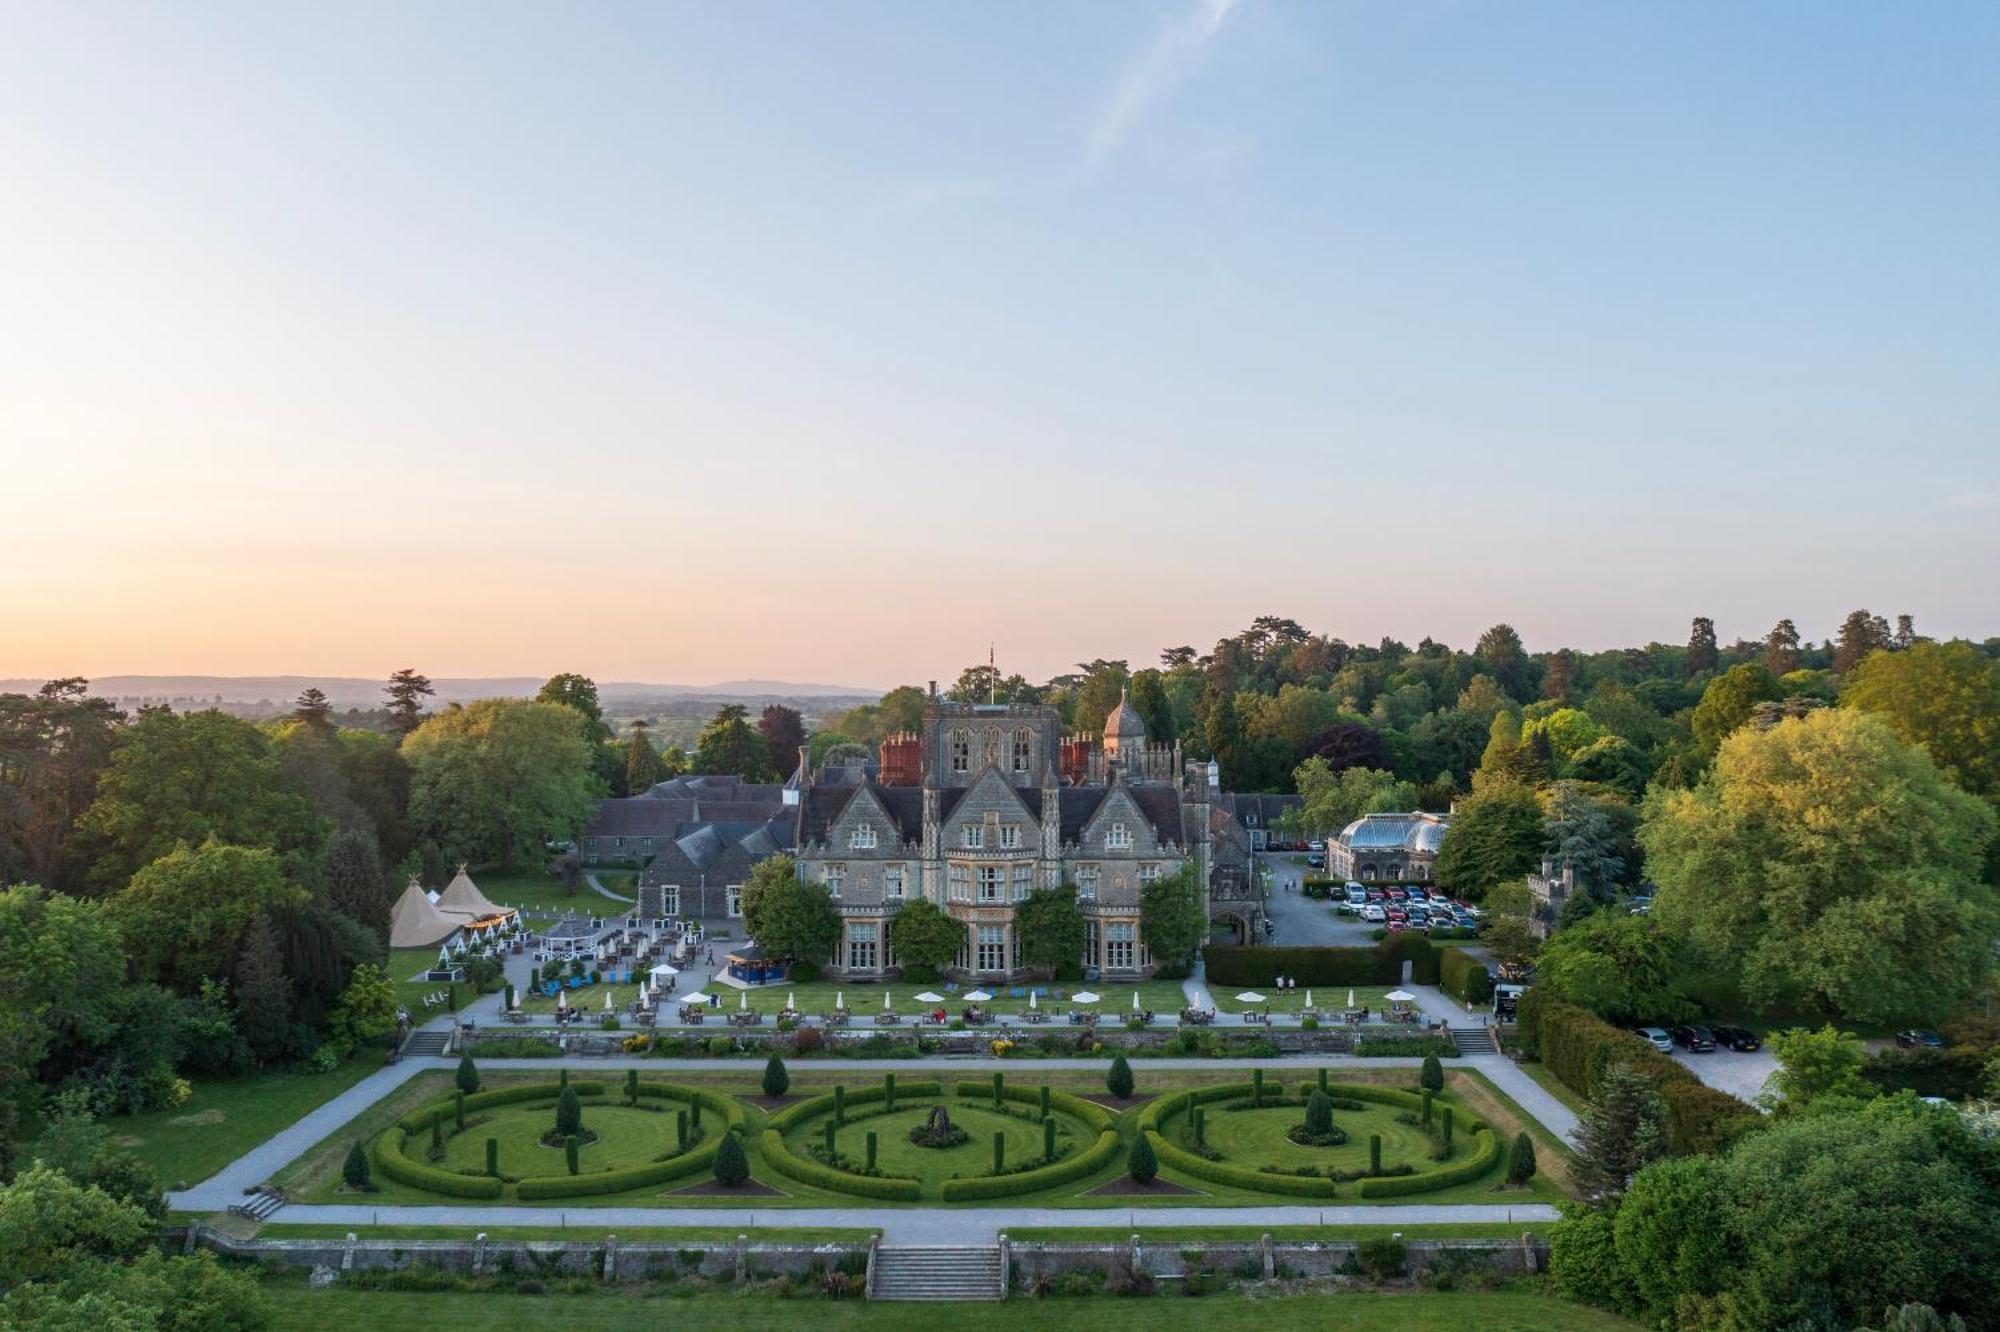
point(886, 1019)
point(746, 1019)
point(647, 1018)
point(1037, 1015)
point(837, 1018)
point(788, 1015)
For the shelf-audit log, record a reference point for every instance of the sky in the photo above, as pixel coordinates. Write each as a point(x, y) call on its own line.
point(836, 342)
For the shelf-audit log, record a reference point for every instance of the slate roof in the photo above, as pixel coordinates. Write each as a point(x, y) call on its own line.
point(1160, 805)
point(1263, 811)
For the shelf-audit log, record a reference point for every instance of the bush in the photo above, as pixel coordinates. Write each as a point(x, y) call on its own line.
point(804, 973)
point(1463, 976)
point(1087, 1162)
point(1484, 1157)
point(391, 1162)
point(1382, 1257)
point(1521, 1160)
point(569, 1113)
point(1431, 1076)
point(1404, 1047)
point(920, 973)
point(467, 1076)
point(732, 1167)
point(354, 1170)
point(1142, 1164)
point(1119, 1080)
point(776, 1080)
point(805, 1171)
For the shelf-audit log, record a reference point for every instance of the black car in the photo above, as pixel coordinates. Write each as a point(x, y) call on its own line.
point(1919, 1037)
point(1736, 1038)
point(1697, 1039)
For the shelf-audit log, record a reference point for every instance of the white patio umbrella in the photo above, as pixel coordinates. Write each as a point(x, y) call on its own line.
point(930, 997)
point(1251, 997)
point(885, 1001)
point(743, 1001)
point(840, 999)
point(664, 970)
point(977, 997)
point(562, 998)
point(1309, 998)
point(1135, 1001)
point(1400, 997)
point(1084, 997)
point(792, 1000)
point(1031, 1000)
point(607, 1001)
point(1350, 998)
point(696, 998)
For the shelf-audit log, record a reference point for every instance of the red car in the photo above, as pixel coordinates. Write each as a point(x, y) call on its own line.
point(1376, 895)
point(1397, 923)
point(1396, 894)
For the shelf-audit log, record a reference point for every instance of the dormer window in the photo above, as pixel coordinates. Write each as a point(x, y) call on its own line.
point(862, 838)
point(836, 879)
point(1010, 836)
point(975, 837)
point(1118, 837)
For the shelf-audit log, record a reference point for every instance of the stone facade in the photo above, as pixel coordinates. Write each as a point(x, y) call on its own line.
point(993, 818)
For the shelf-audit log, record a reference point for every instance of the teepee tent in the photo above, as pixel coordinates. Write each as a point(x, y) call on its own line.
point(415, 923)
point(462, 897)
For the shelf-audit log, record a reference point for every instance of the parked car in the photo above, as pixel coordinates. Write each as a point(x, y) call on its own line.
point(1657, 1037)
point(1316, 844)
point(1375, 913)
point(1696, 1040)
point(1419, 916)
point(1741, 1039)
point(1440, 896)
point(1919, 1037)
point(1377, 895)
point(1316, 860)
point(1396, 893)
point(1355, 897)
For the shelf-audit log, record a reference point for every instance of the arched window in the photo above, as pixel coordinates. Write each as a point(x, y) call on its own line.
point(961, 752)
point(1367, 873)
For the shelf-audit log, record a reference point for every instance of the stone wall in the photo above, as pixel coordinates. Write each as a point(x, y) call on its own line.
point(1174, 1260)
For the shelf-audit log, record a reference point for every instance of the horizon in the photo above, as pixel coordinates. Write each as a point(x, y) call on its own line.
point(836, 345)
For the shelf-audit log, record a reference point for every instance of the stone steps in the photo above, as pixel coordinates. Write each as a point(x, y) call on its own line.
point(263, 1202)
point(937, 1272)
point(427, 1042)
point(1473, 1040)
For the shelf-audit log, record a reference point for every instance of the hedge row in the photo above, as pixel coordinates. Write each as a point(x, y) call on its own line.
point(1578, 1046)
point(418, 1120)
point(1162, 1108)
point(798, 1113)
point(1379, 965)
point(1086, 1162)
point(1463, 976)
point(1472, 1167)
point(839, 1181)
point(390, 1161)
point(1090, 1112)
point(654, 1172)
point(1219, 1172)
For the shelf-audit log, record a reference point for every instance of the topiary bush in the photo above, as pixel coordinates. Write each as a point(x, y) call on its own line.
point(777, 1081)
point(1318, 1130)
point(354, 1170)
point(1431, 1076)
point(1118, 1081)
point(732, 1165)
point(1521, 1160)
point(467, 1076)
point(1142, 1164)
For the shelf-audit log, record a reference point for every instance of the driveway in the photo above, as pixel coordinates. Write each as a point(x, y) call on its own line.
point(1741, 1075)
point(1301, 921)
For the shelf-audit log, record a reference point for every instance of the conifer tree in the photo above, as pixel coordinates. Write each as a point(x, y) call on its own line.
point(1623, 1130)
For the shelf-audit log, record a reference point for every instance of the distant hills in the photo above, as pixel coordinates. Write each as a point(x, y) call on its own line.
point(353, 692)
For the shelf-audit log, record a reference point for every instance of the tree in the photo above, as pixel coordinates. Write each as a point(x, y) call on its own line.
point(1559, 681)
point(1828, 864)
point(924, 936)
point(466, 1078)
point(784, 734)
point(1567, 730)
point(499, 779)
point(1496, 835)
point(1615, 762)
point(1319, 1113)
point(1173, 915)
point(569, 1113)
point(1501, 759)
point(1728, 702)
point(1701, 654)
point(787, 917)
point(184, 915)
point(1626, 969)
point(314, 712)
point(1860, 634)
point(54, 745)
point(354, 1170)
point(1943, 696)
point(732, 1167)
point(578, 693)
point(1521, 1160)
point(263, 993)
point(407, 690)
point(642, 761)
point(1500, 648)
point(1051, 929)
point(777, 1081)
point(50, 1225)
point(729, 744)
point(1223, 731)
point(1812, 1064)
point(1331, 801)
point(366, 1013)
point(1781, 648)
point(1670, 1231)
point(187, 778)
point(351, 874)
point(61, 965)
point(1431, 1075)
point(1149, 698)
point(1584, 837)
point(1118, 1081)
point(1623, 1130)
point(1142, 1163)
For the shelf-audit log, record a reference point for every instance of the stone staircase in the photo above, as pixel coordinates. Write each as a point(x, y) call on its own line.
point(263, 1201)
point(1473, 1040)
point(937, 1272)
point(426, 1042)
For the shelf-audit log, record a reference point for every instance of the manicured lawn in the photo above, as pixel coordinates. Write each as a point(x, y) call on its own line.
point(897, 1155)
point(309, 1310)
point(1326, 999)
point(225, 1119)
point(626, 1136)
point(543, 894)
point(1255, 1138)
point(584, 1233)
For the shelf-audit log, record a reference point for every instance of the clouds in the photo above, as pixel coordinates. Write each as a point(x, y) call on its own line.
point(1174, 53)
point(1973, 499)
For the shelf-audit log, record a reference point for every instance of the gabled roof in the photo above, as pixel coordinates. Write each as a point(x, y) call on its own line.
point(822, 807)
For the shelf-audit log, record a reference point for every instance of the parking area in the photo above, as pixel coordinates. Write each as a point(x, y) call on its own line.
point(1301, 921)
point(1741, 1075)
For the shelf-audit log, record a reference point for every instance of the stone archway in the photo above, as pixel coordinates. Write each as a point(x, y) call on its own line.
point(1229, 928)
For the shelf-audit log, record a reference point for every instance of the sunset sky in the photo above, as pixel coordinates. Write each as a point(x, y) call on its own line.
point(831, 342)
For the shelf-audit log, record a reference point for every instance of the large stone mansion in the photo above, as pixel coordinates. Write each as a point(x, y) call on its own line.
point(991, 801)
